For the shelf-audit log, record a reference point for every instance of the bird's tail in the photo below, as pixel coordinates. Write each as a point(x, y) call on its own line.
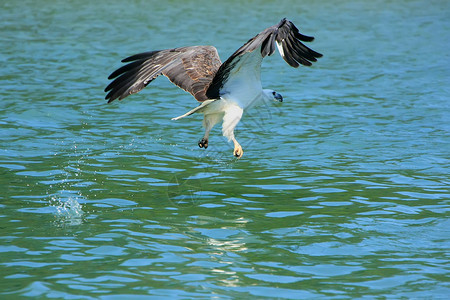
point(197, 109)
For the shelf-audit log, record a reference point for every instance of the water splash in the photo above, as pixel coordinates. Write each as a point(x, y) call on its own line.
point(69, 211)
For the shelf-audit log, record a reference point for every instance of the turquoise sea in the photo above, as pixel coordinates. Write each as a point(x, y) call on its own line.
point(343, 191)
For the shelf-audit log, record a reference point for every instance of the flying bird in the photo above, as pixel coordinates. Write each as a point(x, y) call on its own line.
point(224, 90)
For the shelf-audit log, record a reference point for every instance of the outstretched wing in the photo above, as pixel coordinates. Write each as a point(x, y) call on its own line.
point(190, 68)
point(246, 62)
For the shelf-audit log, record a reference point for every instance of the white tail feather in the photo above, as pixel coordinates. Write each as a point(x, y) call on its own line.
point(197, 109)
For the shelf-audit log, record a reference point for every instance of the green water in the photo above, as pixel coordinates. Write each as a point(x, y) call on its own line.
point(343, 190)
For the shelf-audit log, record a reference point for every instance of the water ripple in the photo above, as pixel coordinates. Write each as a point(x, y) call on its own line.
point(342, 192)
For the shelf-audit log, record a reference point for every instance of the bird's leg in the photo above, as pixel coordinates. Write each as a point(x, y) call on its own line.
point(203, 143)
point(230, 120)
point(208, 122)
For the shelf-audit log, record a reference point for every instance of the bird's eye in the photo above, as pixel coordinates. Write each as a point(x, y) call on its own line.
point(273, 93)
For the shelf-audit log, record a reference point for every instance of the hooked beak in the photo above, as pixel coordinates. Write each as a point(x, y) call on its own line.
point(278, 97)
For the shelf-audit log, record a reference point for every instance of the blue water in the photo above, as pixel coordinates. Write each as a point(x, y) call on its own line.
point(343, 190)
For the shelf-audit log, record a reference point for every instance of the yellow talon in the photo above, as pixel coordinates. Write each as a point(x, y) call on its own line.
point(238, 152)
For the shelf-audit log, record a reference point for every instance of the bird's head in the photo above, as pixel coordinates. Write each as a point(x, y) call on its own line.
point(271, 94)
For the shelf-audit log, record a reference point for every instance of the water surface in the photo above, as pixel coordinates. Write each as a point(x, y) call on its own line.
point(343, 190)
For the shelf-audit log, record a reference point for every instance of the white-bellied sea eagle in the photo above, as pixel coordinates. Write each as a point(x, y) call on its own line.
point(226, 89)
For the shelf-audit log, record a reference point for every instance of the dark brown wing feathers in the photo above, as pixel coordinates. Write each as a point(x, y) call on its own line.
point(200, 66)
point(190, 68)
